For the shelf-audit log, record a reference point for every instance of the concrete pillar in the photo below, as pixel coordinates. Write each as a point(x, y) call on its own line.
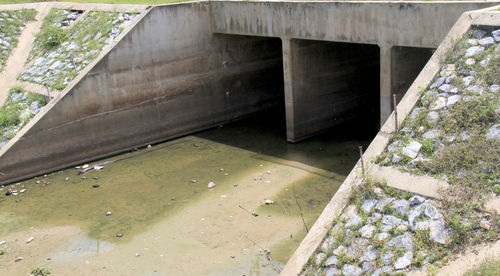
point(385, 83)
point(288, 88)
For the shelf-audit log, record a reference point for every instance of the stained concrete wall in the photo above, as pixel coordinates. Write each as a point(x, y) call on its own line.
point(329, 83)
point(167, 77)
point(410, 24)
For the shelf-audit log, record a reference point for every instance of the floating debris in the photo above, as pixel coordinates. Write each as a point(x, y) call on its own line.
point(2, 242)
point(193, 181)
point(269, 202)
point(30, 240)
point(95, 186)
point(66, 179)
point(18, 259)
point(108, 213)
point(211, 185)
point(119, 235)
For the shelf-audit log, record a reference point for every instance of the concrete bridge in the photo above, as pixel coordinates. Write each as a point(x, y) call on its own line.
point(186, 67)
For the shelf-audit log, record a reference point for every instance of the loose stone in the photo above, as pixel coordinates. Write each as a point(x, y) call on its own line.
point(331, 261)
point(411, 150)
point(493, 133)
point(367, 231)
point(341, 250)
point(403, 261)
point(486, 41)
point(368, 205)
point(351, 270)
point(474, 50)
point(211, 185)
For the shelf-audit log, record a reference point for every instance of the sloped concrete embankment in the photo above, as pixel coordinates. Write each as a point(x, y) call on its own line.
point(423, 185)
point(166, 76)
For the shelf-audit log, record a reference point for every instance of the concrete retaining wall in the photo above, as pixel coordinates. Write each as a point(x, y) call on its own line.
point(167, 77)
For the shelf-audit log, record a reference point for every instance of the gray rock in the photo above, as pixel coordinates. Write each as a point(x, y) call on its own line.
point(494, 88)
point(404, 261)
point(450, 79)
point(332, 271)
point(474, 89)
point(486, 41)
point(348, 212)
point(380, 207)
point(382, 270)
point(493, 133)
point(411, 150)
point(465, 135)
point(478, 33)
point(447, 88)
point(379, 192)
point(357, 248)
point(408, 131)
point(467, 80)
point(396, 158)
point(331, 261)
point(354, 222)
point(380, 237)
point(431, 133)
point(438, 232)
point(386, 258)
point(351, 270)
point(414, 113)
point(485, 62)
point(496, 35)
point(341, 250)
point(433, 117)
point(328, 243)
point(440, 81)
point(368, 205)
point(474, 50)
point(453, 100)
point(374, 218)
point(432, 212)
point(368, 266)
point(319, 257)
point(389, 222)
point(437, 104)
point(403, 241)
point(416, 200)
point(401, 206)
point(470, 61)
point(422, 225)
point(211, 185)
point(367, 231)
point(369, 256)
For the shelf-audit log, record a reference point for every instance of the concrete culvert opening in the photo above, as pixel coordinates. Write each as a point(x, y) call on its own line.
point(332, 83)
point(406, 64)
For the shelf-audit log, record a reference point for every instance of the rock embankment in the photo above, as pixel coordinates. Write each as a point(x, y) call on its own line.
point(19, 108)
point(67, 43)
point(11, 25)
point(452, 134)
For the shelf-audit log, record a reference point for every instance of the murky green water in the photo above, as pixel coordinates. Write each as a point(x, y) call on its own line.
point(249, 161)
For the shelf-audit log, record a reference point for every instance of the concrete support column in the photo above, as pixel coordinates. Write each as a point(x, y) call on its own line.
point(385, 82)
point(288, 88)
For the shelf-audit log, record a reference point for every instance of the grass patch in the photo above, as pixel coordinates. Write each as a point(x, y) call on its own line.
point(17, 111)
point(487, 268)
